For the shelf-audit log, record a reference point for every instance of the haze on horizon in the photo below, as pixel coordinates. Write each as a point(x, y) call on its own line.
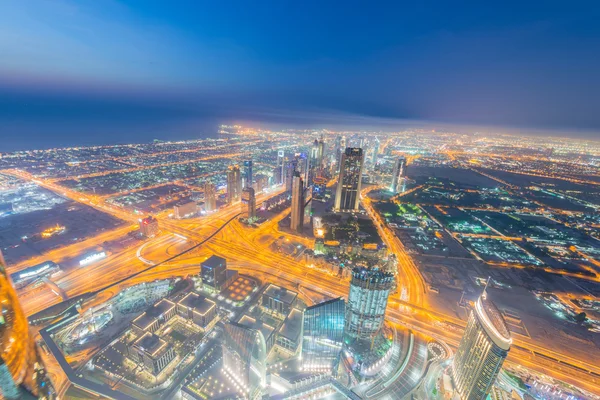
point(89, 72)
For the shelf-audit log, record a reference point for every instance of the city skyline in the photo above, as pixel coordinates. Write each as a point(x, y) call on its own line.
point(196, 66)
point(299, 201)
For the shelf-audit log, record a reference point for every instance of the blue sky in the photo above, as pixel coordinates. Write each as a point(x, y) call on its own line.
point(94, 71)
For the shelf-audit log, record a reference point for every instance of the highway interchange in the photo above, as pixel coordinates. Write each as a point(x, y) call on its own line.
point(248, 250)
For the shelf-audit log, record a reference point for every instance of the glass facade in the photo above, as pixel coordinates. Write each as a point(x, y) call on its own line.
point(482, 350)
point(244, 357)
point(323, 329)
point(367, 301)
point(214, 272)
point(398, 173)
point(349, 182)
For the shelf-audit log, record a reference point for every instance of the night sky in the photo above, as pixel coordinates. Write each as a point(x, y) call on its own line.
point(78, 72)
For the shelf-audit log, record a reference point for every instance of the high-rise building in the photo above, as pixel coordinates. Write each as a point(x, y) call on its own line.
point(367, 301)
point(281, 166)
point(398, 174)
point(481, 352)
point(375, 151)
point(234, 184)
point(210, 197)
point(292, 167)
point(22, 373)
point(323, 335)
point(244, 358)
point(349, 181)
point(321, 154)
point(277, 176)
point(248, 173)
point(297, 210)
point(214, 272)
point(249, 203)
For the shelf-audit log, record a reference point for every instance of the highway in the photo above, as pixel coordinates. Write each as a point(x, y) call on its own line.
point(248, 249)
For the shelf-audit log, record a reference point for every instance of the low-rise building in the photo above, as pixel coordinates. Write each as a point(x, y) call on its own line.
point(198, 309)
point(149, 226)
point(152, 352)
point(154, 317)
point(279, 300)
point(185, 209)
point(289, 336)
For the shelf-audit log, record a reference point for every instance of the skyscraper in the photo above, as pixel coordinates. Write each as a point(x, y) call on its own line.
point(210, 197)
point(244, 358)
point(292, 167)
point(375, 151)
point(249, 203)
point(367, 301)
point(22, 373)
point(281, 165)
point(234, 184)
point(323, 335)
point(297, 210)
point(349, 181)
point(320, 154)
point(248, 173)
point(398, 173)
point(481, 352)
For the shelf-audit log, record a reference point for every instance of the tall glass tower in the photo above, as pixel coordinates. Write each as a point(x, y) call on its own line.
point(349, 180)
point(367, 301)
point(398, 173)
point(481, 352)
point(234, 184)
point(22, 372)
point(323, 335)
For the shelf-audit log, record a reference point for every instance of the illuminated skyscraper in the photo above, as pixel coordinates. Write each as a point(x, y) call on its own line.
point(244, 358)
point(248, 173)
point(297, 210)
point(481, 352)
point(349, 181)
point(320, 154)
point(234, 184)
point(281, 166)
point(367, 301)
point(323, 335)
point(398, 174)
point(249, 203)
point(210, 197)
point(22, 373)
point(375, 151)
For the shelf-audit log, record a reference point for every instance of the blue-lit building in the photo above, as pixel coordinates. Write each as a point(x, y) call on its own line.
point(323, 335)
point(214, 272)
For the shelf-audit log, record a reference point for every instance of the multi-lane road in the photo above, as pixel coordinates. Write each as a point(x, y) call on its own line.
point(249, 249)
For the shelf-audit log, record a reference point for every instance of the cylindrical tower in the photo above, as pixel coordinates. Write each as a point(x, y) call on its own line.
point(367, 301)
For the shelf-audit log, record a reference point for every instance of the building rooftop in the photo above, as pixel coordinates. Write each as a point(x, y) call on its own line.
point(493, 321)
point(214, 262)
point(198, 303)
point(151, 344)
point(281, 294)
point(265, 329)
point(292, 326)
point(152, 313)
